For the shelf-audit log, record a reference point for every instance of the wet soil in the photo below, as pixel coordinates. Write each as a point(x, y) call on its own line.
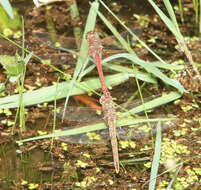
point(56, 165)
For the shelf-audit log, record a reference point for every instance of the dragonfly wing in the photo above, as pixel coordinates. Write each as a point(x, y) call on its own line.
point(94, 137)
point(54, 41)
point(80, 114)
point(69, 43)
point(142, 130)
point(138, 102)
point(111, 42)
point(132, 132)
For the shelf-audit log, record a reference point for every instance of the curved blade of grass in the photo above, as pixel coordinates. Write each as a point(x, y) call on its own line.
point(166, 65)
point(156, 159)
point(152, 69)
point(154, 63)
point(139, 74)
point(147, 65)
point(98, 126)
point(48, 94)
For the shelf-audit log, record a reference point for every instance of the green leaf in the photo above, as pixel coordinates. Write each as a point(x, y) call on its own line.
point(152, 69)
point(60, 90)
point(170, 24)
point(156, 159)
point(94, 127)
point(165, 98)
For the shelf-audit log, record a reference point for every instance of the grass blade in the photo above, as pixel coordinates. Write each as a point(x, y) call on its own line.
point(147, 77)
point(47, 94)
point(167, 21)
point(152, 69)
point(174, 178)
point(171, 13)
point(156, 159)
point(128, 29)
point(98, 126)
point(165, 98)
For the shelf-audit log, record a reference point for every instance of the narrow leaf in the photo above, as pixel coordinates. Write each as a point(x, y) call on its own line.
point(156, 159)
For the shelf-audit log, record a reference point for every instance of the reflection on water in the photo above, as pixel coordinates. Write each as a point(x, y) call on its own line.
point(16, 167)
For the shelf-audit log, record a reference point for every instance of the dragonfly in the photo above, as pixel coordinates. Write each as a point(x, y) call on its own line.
point(91, 128)
point(108, 108)
point(106, 101)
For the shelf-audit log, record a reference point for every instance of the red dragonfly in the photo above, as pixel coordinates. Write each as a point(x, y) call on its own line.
point(108, 107)
point(106, 101)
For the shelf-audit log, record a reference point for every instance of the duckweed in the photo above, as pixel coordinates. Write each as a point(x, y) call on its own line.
point(186, 108)
point(147, 165)
point(110, 182)
point(197, 170)
point(86, 155)
point(123, 144)
point(86, 182)
point(64, 146)
point(24, 182)
point(171, 149)
point(42, 132)
point(93, 136)
point(10, 123)
point(33, 186)
point(132, 144)
point(6, 111)
point(81, 164)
